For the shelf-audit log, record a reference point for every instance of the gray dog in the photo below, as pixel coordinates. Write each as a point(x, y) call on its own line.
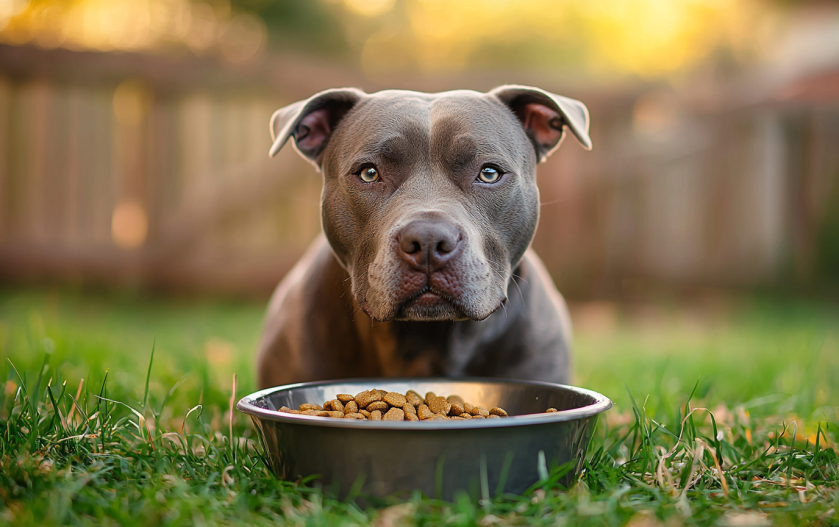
point(429, 206)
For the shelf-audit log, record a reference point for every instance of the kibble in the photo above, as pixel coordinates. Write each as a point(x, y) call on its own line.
point(334, 405)
point(366, 397)
point(413, 398)
point(395, 399)
point(377, 405)
point(423, 412)
point(394, 414)
point(381, 405)
point(455, 399)
point(439, 405)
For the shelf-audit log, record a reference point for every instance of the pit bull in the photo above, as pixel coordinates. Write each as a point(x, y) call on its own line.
point(424, 266)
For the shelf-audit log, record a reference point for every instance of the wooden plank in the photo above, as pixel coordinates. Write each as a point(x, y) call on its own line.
point(5, 159)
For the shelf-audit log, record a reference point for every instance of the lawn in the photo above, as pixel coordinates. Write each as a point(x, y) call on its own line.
point(726, 413)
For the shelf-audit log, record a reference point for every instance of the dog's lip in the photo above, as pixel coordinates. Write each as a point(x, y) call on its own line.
point(412, 299)
point(427, 296)
point(428, 290)
point(432, 292)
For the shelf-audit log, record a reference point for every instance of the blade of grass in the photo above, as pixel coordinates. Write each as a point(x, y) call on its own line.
point(505, 473)
point(72, 411)
point(22, 385)
point(692, 428)
point(103, 416)
point(36, 392)
point(791, 456)
point(438, 477)
point(56, 410)
point(148, 374)
point(230, 411)
point(485, 501)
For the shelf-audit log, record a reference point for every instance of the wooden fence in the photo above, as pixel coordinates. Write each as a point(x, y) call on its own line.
point(153, 172)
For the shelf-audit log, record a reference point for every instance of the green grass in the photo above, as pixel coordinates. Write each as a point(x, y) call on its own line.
point(766, 371)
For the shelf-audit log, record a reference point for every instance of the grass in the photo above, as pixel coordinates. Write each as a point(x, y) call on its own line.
point(724, 415)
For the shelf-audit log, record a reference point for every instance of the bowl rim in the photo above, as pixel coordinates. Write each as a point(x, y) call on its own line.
point(601, 404)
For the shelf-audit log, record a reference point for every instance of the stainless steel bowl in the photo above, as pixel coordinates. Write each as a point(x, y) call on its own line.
point(440, 458)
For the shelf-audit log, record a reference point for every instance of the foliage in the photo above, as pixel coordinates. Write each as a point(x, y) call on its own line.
point(305, 27)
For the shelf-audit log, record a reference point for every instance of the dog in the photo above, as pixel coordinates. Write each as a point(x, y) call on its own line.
point(424, 265)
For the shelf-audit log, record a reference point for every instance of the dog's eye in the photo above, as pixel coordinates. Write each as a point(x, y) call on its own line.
point(489, 175)
point(369, 174)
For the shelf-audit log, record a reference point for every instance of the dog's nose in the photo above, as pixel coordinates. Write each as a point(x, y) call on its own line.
point(428, 245)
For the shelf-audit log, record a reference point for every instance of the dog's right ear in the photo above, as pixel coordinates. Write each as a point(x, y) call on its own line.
point(312, 121)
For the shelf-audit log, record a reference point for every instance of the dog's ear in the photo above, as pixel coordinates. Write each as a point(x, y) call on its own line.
point(312, 121)
point(545, 115)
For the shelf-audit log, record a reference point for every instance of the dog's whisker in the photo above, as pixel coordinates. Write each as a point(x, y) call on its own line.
point(520, 293)
point(520, 278)
point(355, 312)
point(512, 276)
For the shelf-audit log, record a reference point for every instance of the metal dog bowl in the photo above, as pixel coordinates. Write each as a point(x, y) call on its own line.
point(440, 458)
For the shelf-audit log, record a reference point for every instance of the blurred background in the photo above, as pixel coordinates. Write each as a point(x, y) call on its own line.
point(134, 134)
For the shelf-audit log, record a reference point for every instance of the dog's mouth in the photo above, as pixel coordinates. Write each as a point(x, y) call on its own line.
point(430, 304)
point(424, 304)
point(429, 297)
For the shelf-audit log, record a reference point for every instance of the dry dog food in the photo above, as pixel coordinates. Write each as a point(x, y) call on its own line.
point(379, 405)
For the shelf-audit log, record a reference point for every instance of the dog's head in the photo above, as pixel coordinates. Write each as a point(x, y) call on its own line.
point(429, 200)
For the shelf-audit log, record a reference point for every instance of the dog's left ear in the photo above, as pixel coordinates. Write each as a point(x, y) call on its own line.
point(312, 121)
point(545, 115)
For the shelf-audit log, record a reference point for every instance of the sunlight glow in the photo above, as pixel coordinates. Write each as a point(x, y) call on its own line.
point(132, 25)
point(129, 225)
point(649, 38)
point(370, 8)
point(646, 38)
